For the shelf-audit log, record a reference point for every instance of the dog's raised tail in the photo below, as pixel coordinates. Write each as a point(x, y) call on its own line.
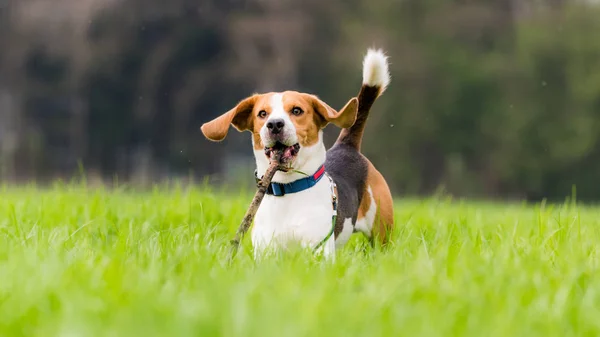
point(376, 78)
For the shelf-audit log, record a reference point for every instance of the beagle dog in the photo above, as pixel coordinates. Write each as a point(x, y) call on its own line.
point(328, 194)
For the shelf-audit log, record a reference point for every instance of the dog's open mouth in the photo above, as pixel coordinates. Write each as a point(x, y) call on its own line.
point(288, 152)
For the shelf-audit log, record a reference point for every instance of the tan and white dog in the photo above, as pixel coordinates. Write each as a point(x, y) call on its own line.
point(343, 193)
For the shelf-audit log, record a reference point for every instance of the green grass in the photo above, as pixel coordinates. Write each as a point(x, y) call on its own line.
point(77, 262)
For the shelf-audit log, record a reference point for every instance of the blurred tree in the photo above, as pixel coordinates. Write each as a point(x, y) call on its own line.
point(489, 98)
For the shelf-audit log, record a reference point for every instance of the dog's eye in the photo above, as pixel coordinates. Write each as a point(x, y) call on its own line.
point(297, 111)
point(262, 114)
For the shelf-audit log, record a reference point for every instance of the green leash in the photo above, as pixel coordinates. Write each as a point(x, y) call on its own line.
point(333, 217)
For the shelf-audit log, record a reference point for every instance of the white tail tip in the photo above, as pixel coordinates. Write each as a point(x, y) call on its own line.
point(375, 69)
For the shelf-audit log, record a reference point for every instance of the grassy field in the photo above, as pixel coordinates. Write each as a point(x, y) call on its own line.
point(77, 262)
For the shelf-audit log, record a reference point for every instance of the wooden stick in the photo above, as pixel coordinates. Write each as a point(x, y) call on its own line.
point(260, 193)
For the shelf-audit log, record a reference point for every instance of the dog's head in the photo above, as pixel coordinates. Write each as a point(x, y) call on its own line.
point(288, 120)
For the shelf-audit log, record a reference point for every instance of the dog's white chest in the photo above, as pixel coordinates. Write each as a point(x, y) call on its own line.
point(304, 217)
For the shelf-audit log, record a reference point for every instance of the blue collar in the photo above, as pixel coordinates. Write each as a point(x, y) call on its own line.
point(279, 190)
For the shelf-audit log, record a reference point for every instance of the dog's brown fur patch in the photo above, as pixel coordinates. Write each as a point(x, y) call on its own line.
point(384, 217)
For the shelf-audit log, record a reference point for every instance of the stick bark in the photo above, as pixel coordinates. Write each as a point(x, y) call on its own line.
point(258, 196)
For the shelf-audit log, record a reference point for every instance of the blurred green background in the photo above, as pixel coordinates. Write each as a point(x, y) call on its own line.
point(495, 99)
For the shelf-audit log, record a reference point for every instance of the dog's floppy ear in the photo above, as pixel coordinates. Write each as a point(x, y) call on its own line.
point(345, 118)
point(240, 117)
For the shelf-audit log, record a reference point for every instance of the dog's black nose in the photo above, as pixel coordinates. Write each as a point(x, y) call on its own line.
point(275, 125)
